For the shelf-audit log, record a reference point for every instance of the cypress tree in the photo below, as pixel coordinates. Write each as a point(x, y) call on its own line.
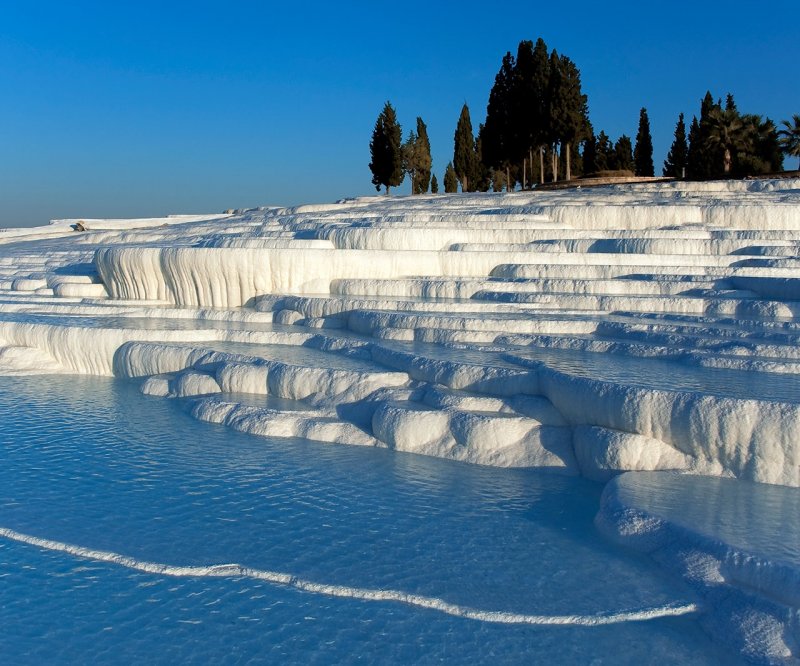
point(540, 87)
point(483, 174)
point(675, 164)
point(707, 158)
point(423, 159)
point(434, 184)
point(450, 179)
point(604, 152)
point(569, 121)
point(693, 152)
point(531, 105)
point(386, 150)
point(643, 153)
point(497, 139)
point(623, 154)
point(590, 155)
point(465, 160)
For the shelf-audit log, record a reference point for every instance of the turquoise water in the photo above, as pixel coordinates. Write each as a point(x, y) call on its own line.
point(92, 462)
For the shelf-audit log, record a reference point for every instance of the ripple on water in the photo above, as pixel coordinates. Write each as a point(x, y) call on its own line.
point(91, 462)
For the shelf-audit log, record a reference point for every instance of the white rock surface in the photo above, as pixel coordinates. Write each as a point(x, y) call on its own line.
point(636, 327)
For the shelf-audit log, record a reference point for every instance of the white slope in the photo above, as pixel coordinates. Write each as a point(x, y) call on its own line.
point(637, 327)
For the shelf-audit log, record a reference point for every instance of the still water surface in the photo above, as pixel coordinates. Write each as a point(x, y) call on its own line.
point(92, 462)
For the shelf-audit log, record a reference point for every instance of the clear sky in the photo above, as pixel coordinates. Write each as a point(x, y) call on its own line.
point(121, 109)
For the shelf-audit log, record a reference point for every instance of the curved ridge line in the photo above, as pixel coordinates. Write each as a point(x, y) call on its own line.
point(364, 594)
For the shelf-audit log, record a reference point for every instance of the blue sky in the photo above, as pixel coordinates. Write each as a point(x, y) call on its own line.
point(134, 109)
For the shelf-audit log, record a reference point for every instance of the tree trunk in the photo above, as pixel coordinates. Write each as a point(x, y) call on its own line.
point(569, 174)
point(530, 162)
point(727, 158)
point(508, 178)
point(541, 164)
point(523, 174)
point(555, 164)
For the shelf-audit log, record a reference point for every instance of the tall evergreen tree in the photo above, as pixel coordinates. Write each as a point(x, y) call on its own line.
point(417, 158)
point(450, 179)
point(409, 153)
point(704, 159)
point(465, 160)
point(623, 154)
point(424, 161)
point(483, 174)
point(497, 140)
point(590, 155)
point(533, 118)
point(675, 164)
point(604, 155)
point(386, 150)
point(643, 153)
point(434, 184)
point(569, 121)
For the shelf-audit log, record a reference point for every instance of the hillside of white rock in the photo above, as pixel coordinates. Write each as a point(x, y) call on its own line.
point(636, 328)
point(595, 331)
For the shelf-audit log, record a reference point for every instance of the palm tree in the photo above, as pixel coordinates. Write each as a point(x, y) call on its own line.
point(790, 137)
point(727, 130)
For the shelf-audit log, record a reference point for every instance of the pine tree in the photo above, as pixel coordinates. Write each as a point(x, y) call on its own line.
point(465, 160)
point(386, 150)
point(623, 154)
point(643, 153)
point(434, 184)
point(450, 179)
point(675, 164)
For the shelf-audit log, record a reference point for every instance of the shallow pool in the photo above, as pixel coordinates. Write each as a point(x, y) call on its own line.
point(93, 463)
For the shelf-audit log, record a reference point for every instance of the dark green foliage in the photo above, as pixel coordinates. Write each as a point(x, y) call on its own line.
point(675, 164)
point(465, 159)
point(497, 138)
point(643, 153)
point(789, 136)
point(725, 143)
point(623, 155)
point(434, 184)
point(530, 114)
point(386, 150)
point(761, 149)
point(693, 150)
point(483, 174)
point(423, 159)
point(726, 133)
point(417, 158)
point(704, 160)
point(590, 155)
point(605, 156)
point(568, 109)
point(450, 179)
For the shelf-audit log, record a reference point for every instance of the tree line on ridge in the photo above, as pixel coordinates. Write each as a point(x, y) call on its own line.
point(537, 130)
